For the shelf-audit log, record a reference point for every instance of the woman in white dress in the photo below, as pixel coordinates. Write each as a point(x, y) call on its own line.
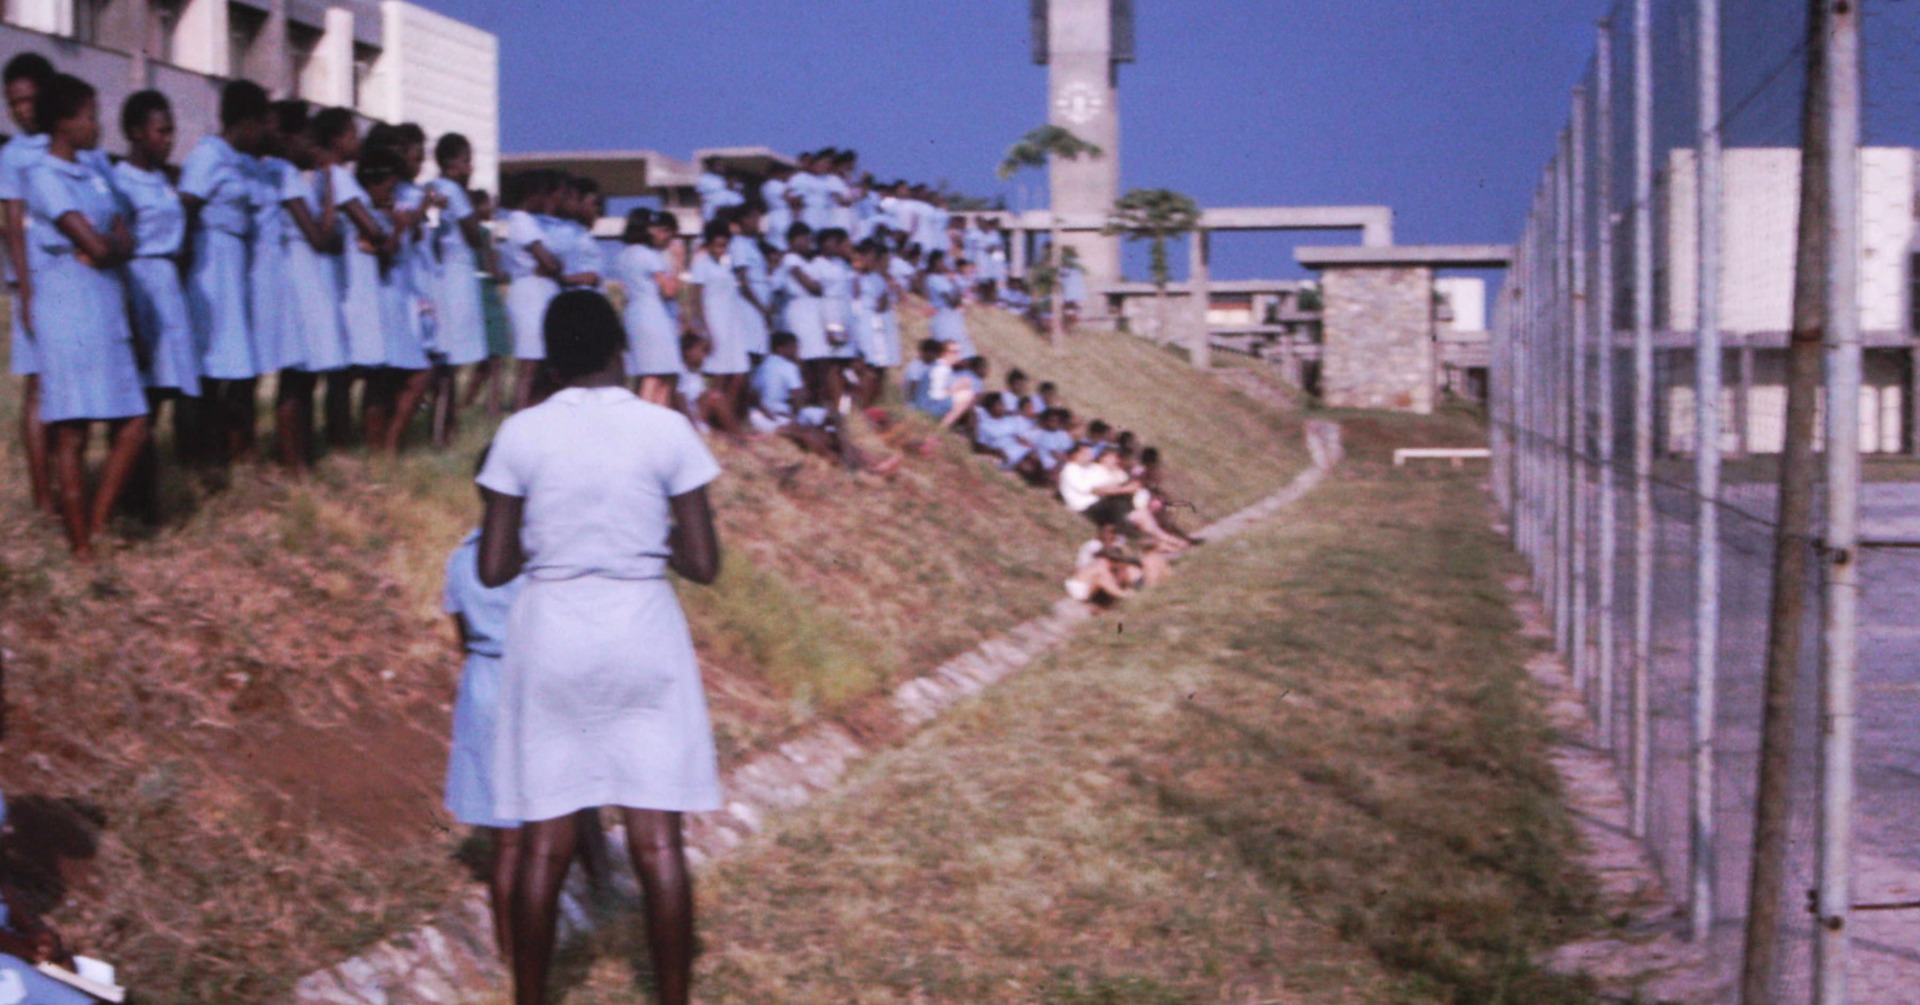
point(594, 495)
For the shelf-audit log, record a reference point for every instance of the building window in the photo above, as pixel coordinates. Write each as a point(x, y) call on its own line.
point(88, 18)
point(302, 42)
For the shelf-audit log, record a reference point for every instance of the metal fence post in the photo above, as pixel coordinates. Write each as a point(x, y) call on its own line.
point(1609, 544)
point(1640, 740)
point(1706, 454)
point(1576, 447)
point(1562, 394)
point(1841, 565)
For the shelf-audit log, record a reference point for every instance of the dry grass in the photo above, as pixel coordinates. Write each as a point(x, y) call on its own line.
point(1311, 770)
point(256, 695)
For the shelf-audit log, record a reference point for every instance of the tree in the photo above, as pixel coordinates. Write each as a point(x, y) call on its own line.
point(1155, 215)
point(1035, 150)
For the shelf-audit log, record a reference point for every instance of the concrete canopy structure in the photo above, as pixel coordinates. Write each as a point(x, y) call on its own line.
point(1379, 337)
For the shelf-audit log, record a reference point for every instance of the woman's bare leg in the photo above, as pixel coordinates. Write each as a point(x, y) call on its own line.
point(410, 389)
point(501, 881)
point(37, 444)
point(70, 485)
point(546, 849)
point(126, 438)
point(660, 860)
point(340, 407)
point(523, 383)
point(657, 389)
point(293, 419)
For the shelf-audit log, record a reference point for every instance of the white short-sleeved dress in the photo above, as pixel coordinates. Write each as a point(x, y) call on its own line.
point(601, 702)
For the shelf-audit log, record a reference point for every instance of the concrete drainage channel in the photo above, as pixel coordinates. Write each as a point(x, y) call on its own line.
point(453, 960)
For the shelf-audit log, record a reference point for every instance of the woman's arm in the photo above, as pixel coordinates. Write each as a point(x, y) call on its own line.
point(694, 543)
point(807, 282)
point(319, 237)
point(94, 249)
point(501, 557)
point(544, 261)
point(746, 290)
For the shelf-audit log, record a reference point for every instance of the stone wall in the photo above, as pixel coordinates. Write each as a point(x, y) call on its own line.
point(1378, 338)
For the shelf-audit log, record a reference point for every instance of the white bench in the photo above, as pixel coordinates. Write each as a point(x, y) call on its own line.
point(1454, 454)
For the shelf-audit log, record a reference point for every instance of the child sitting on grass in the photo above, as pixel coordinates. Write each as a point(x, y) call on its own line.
point(782, 405)
point(707, 406)
point(26, 940)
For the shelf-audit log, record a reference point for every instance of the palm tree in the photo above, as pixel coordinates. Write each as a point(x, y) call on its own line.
point(1154, 215)
point(1035, 150)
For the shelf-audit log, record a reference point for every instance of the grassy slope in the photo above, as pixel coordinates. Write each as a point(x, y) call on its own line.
point(256, 697)
point(1311, 770)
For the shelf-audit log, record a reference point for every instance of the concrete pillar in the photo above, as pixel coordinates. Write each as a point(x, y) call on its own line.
point(1017, 252)
point(200, 39)
point(1377, 347)
point(1200, 285)
point(1083, 99)
point(328, 77)
point(55, 17)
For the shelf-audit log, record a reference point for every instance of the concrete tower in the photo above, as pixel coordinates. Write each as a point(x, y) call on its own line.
point(1082, 44)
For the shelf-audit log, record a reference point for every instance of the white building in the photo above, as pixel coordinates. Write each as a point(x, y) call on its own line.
point(1760, 197)
point(386, 59)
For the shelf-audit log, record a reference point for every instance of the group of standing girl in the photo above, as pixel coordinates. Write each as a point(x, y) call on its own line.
point(285, 245)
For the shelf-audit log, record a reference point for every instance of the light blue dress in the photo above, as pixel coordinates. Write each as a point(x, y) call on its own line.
point(483, 611)
point(745, 253)
point(155, 298)
point(948, 323)
point(653, 347)
point(836, 303)
point(805, 318)
point(278, 341)
point(19, 154)
point(773, 192)
point(88, 369)
point(877, 331)
point(774, 382)
point(719, 301)
point(838, 214)
point(601, 702)
point(400, 306)
point(528, 292)
point(217, 299)
point(460, 324)
point(815, 202)
point(313, 280)
point(364, 313)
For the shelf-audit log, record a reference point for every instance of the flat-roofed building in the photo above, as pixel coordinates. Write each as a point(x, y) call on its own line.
point(385, 59)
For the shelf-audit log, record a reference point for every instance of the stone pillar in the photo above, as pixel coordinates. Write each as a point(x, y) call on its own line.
point(1377, 342)
point(1083, 99)
point(1200, 285)
point(1017, 252)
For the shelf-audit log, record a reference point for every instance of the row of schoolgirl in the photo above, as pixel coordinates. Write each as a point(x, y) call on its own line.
point(284, 245)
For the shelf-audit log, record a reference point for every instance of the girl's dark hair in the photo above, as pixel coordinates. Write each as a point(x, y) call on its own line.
point(799, 230)
point(715, 230)
point(451, 145)
point(383, 135)
point(410, 133)
point(330, 124)
point(1047, 386)
point(61, 97)
point(140, 106)
point(478, 196)
point(28, 66)
point(1015, 375)
point(832, 234)
point(582, 334)
point(935, 260)
point(639, 227)
point(691, 339)
point(243, 101)
point(1150, 455)
point(1098, 427)
point(378, 165)
point(291, 116)
point(869, 247)
point(584, 185)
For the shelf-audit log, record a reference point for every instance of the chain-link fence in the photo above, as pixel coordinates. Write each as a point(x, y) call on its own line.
point(1639, 405)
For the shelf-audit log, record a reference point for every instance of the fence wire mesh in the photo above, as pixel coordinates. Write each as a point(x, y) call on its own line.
point(1638, 462)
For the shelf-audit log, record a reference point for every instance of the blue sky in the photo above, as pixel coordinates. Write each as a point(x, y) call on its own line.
point(1443, 109)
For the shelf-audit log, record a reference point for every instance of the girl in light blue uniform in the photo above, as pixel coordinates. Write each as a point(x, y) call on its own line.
point(533, 270)
point(945, 291)
point(805, 316)
point(480, 616)
point(653, 345)
point(584, 261)
point(368, 251)
point(24, 75)
point(278, 344)
point(88, 371)
point(217, 188)
point(309, 231)
point(753, 288)
point(159, 305)
point(872, 309)
point(773, 193)
point(836, 292)
point(720, 307)
point(463, 248)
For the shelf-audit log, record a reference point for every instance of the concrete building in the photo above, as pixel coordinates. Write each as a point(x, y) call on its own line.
point(1082, 44)
point(1760, 199)
point(383, 58)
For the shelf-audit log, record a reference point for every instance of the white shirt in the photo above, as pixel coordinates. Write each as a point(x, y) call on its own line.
point(596, 467)
point(1089, 553)
point(1078, 483)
